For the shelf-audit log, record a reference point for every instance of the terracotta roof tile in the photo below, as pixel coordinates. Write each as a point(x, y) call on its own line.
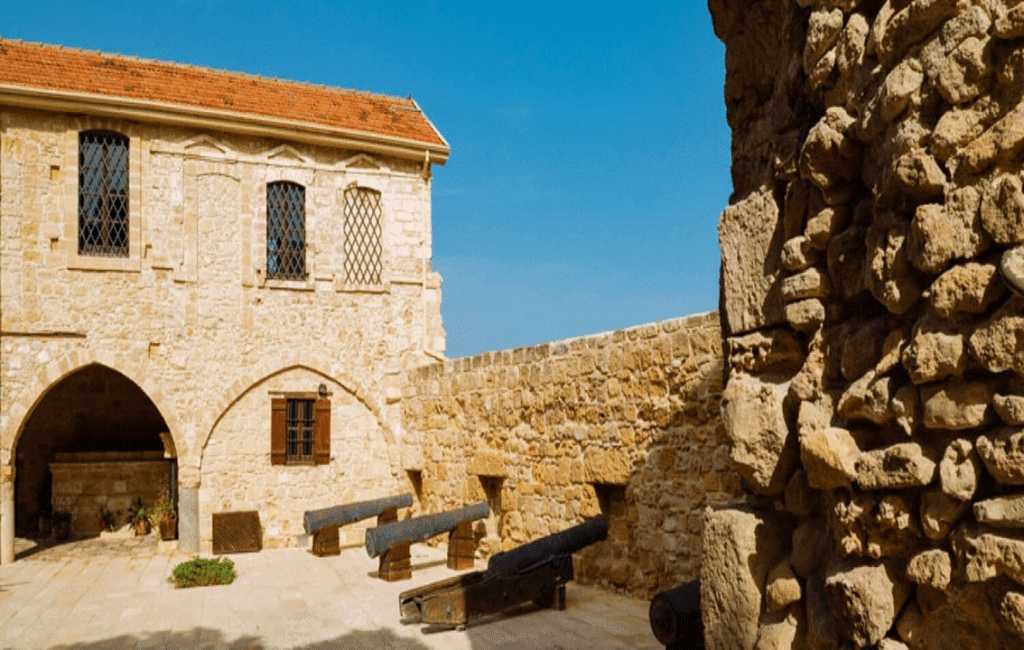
point(54, 67)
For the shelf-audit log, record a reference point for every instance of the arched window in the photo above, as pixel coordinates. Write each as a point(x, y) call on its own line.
point(363, 248)
point(102, 194)
point(286, 231)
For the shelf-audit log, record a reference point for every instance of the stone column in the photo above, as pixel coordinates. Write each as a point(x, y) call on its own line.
point(188, 510)
point(6, 514)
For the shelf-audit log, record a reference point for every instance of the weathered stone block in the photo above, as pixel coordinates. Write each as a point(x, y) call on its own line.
point(899, 466)
point(740, 546)
point(994, 342)
point(1010, 408)
point(805, 315)
point(782, 587)
point(959, 470)
point(829, 457)
point(609, 466)
point(1001, 512)
point(1002, 210)
point(829, 155)
point(866, 599)
point(970, 288)
point(751, 236)
point(811, 283)
point(932, 567)
point(936, 351)
point(776, 350)
point(761, 449)
point(958, 404)
point(888, 273)
point(1003, 454)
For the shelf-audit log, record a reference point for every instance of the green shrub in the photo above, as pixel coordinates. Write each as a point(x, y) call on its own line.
point(199, 572)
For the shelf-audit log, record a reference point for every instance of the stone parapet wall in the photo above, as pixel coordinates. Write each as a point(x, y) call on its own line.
point(871, 294)
point(624, 424)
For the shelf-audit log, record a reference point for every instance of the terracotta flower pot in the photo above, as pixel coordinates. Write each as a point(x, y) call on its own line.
point(168, 528)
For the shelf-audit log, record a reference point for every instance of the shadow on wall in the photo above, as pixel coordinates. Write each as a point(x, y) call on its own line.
point(208, 638)
point(655, 519)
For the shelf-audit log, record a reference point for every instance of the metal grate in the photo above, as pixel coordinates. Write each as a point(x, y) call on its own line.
point(362, 236)
point(102, 194)
point(286, 231)
point(300, 430)
point(237, 532)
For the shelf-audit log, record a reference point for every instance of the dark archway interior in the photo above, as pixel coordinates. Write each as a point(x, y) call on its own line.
point(93, 409)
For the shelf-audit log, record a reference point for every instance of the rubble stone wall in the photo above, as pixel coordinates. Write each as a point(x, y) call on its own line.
point(624, 424)
point(872, 279)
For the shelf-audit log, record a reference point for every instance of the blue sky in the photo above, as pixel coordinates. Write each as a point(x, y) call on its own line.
point(590, 152)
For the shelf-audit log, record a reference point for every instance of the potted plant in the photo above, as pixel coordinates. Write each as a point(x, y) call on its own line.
point(165, 517)
point(138, 517)
point(108, 520)
point(61, 524)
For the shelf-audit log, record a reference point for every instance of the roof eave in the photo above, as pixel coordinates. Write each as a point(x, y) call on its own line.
point(220, 120)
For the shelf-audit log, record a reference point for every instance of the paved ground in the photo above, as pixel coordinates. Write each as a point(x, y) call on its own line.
point(114, 594)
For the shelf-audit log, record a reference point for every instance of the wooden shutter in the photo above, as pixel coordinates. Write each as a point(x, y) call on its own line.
point(278, 431)
point(322, 431)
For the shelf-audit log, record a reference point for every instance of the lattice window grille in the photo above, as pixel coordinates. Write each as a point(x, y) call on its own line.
point(363, 247)
point(300, 430)
point(286, 231)
point(102, 194)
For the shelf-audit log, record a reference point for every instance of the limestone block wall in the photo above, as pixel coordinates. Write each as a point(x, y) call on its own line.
point(189, 316)
point(624, 424)
point(236, 474)
point(85, 483)
point(872, 301)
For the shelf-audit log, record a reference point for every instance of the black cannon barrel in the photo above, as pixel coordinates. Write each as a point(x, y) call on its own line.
point(314, 520)
point(382, 538)
point(564, 543)
point(675, 616)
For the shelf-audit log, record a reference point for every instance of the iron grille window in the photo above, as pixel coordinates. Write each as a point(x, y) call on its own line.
point(102, 194)
point(363, 236)
point(286, 231)
point(299, 424)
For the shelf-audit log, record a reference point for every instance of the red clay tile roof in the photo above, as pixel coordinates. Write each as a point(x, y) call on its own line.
point(53, 67)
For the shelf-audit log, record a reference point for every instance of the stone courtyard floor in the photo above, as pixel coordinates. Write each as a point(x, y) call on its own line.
point(113, 594)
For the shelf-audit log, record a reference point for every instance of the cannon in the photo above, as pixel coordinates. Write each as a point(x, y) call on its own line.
point(314, 520)
point(323, 524)
point(675, 617)
point(391, 541)
point(535, 572)
point(382, 538)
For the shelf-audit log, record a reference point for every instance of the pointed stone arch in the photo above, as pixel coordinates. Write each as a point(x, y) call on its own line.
point(265, 371)
point(24, 404)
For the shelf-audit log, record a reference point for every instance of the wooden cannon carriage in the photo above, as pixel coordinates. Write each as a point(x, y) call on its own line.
point(536, 572)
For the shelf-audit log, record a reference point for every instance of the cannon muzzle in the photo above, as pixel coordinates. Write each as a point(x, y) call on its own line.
point(382, 538)
point(314, 520)
point(675, 617)
point(547, 548)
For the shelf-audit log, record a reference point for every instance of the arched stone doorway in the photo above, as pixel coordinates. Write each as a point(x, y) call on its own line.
point(97, 423)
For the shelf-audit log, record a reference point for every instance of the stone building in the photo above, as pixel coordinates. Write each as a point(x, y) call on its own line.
point(210, 286)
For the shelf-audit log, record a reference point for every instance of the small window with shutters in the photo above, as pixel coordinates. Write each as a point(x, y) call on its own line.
point(300, 431)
